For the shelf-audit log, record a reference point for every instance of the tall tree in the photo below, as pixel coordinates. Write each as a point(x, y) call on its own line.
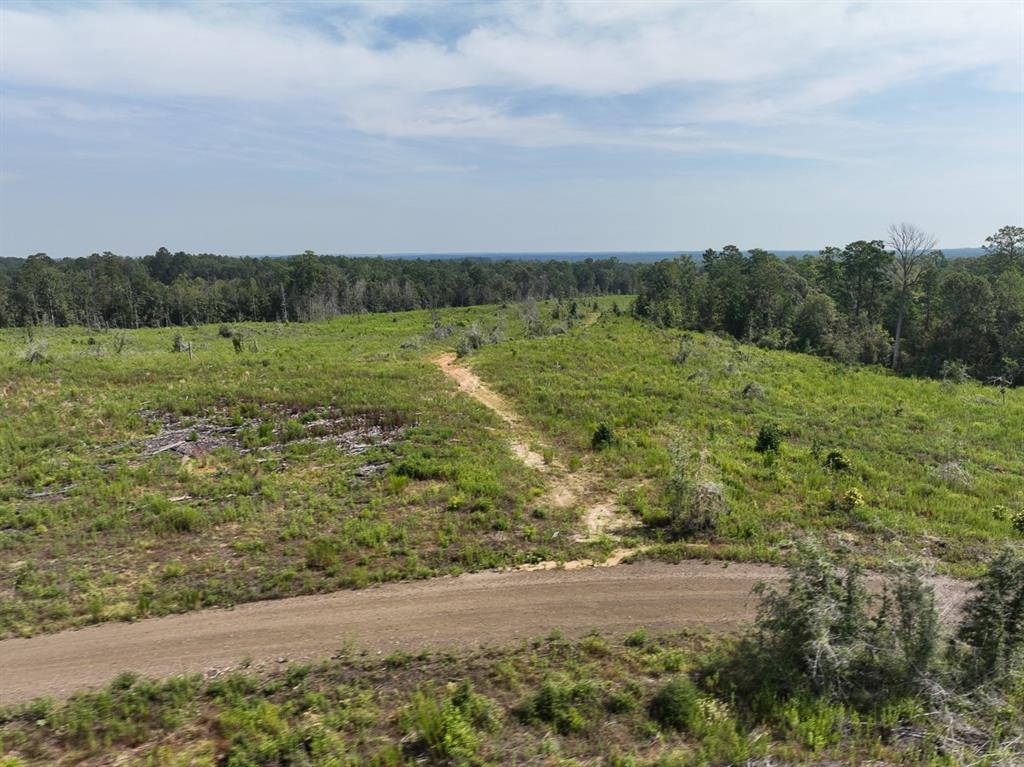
point(1005, 248)
point(913, 250)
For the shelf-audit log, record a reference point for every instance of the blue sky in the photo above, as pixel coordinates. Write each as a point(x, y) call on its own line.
point(247, 127)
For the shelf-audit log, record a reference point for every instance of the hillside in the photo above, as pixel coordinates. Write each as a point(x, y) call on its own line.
point(140, 481)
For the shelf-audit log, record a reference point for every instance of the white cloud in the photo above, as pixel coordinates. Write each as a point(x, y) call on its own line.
point(729, 63)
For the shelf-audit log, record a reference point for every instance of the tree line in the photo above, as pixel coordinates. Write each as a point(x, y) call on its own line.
point(106, 290)
point(896, 302)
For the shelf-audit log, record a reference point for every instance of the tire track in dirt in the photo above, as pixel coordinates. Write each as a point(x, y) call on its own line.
point(565, 488)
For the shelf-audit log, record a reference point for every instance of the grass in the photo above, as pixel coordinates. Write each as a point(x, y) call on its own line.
point(922, 468)
point(335, 455)
point(280, 498)
point(544, 702)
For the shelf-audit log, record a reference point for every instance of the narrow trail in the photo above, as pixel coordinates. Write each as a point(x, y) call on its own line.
point(565, 488)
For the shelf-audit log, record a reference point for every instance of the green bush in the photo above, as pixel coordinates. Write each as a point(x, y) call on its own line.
point(1017, 520)
point(836, 461)
point(989, 643)
point(564, 705)
point(676, 706)
point(603, 437)
point(447, 727)
point(321, 554)
point(769, 439)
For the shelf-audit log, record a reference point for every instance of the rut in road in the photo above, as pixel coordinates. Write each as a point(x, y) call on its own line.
point(565, 488)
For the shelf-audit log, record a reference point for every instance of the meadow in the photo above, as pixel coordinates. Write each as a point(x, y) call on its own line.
point(879, 465)
point(136, 480)
point(164, 470)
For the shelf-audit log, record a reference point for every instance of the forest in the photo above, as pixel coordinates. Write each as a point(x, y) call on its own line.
point(896, 302)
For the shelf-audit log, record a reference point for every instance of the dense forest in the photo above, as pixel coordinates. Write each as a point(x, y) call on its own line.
point(898, 302)
point(183, 289)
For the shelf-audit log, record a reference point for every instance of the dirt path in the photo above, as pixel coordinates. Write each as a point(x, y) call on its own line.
point(468, 611)
point(462, 612)
point(581, 487)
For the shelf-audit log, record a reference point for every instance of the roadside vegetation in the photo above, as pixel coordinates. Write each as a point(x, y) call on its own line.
point(831, 673)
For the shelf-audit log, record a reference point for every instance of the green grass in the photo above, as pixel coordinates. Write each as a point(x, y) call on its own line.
point(544, 702)
point(92, 529)
point(932, 462)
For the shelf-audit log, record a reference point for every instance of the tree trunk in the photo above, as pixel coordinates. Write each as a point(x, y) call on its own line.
point(899, 334)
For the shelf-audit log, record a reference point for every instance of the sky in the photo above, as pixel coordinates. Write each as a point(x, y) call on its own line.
point(384, 127)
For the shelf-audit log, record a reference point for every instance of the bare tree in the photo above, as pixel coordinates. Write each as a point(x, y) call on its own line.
point(915, 251)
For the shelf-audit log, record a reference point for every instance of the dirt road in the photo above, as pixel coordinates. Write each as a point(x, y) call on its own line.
point(467, 611)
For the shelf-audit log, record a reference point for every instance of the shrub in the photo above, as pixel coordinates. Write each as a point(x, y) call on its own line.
point(225, 331)
point(34, 353)
point(321, 554)
point(179, 343)
point(447, 727)
point(821, 635)
point(683, 353)
point(851, 500)
point(837, 461)
point(676, 706)
point(754, 390)
point(693, 499)
point(1017, 520)
point(989, 642)
point(769, 439)
point(954, 371)
point(562, 704)
point(603, 437)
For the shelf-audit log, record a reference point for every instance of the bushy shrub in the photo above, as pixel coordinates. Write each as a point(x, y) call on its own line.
point(603, 437)
point(754, 390)
point(676, 706)
point(683, 353)
point(446, 727)
point(836, 461)
point(563, 704)
point(989, 642)
point(954, 372)
point(693, 499)
point(769, 439)
point(822, 635)
point(225, 331)
point(1017, 520)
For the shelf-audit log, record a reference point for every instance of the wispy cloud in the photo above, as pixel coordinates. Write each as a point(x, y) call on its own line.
point(384, 68)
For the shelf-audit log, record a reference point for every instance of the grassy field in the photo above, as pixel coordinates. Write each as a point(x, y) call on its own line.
point(932, 468)
point(642, 702)
point(136, 481)
point(276, 460)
